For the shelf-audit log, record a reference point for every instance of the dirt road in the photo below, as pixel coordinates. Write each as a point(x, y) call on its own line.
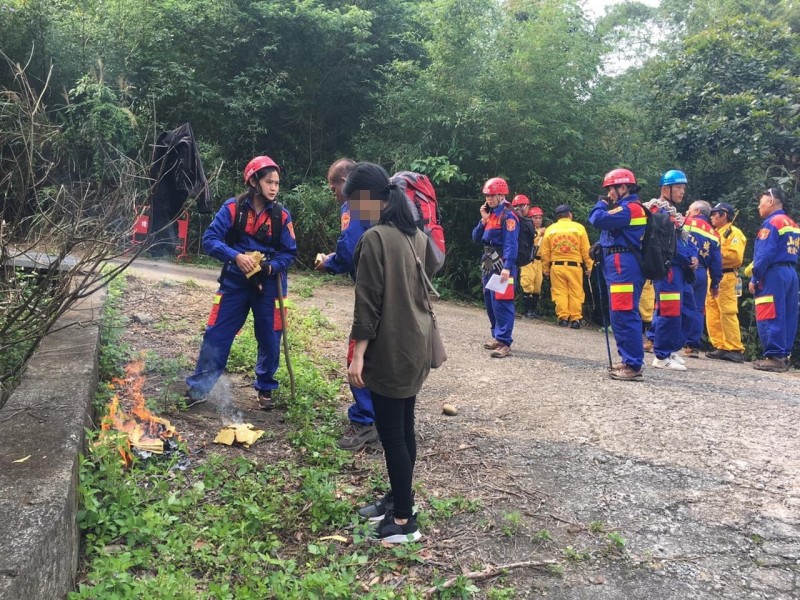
point(685, 485)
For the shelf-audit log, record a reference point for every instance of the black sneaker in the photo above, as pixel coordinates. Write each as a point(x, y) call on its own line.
point(575, 325)
point(717, 354)
point(378, 510)
point(563, 323)
point(390, 532)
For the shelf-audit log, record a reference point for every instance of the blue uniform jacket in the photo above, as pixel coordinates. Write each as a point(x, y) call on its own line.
point(706, 240)
point(622, 225)
point(214, 239)
point(352, 230)
point(778, 241)
point(500, 231)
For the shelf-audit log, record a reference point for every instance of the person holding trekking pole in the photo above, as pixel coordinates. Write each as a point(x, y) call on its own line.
point(253, 236)
point(622, 221)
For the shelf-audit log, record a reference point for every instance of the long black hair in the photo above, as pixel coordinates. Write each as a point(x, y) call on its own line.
point(375, 179)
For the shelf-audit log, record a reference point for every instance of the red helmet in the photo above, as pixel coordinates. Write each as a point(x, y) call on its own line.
point(535, 210)
point(256, 164)
point(495, 185)
point(520, 200)
point(619, 177)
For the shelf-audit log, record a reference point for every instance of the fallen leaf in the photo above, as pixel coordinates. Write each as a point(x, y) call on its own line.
point(22, 460)
point(336, 538)
point(598, 580)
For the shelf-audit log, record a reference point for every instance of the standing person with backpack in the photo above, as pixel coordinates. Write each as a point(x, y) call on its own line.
point(674, 295)
point(252, 222)
point(774, 282)
point(498, 231)
point(526, 248)
point(622, 221)
point(361, 430)
point(565, 259)
point(708, 273)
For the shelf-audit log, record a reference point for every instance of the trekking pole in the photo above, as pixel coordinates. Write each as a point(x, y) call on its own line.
point(605, 325)
point(279, 285)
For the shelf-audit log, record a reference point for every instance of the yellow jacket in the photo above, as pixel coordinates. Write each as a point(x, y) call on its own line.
point(565, 240)
point(732, 247)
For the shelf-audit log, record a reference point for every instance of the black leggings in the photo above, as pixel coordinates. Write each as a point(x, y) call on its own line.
point(394, 419)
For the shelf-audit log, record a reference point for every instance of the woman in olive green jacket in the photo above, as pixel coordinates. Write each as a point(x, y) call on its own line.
point(391, 329)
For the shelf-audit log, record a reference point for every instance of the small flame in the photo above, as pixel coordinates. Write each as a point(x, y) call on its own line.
point(145, 431)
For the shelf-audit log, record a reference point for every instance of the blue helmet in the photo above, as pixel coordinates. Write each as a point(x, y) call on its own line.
point(673, 177)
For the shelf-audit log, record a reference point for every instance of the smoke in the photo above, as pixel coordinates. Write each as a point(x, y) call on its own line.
point(223, 400)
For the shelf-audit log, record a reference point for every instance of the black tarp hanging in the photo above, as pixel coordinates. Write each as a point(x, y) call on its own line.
point(176, 173)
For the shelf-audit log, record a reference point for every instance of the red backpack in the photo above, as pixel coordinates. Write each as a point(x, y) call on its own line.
point(422, 199)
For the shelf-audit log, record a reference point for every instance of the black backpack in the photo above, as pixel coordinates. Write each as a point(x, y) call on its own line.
point(658, 245)
point(525, 247)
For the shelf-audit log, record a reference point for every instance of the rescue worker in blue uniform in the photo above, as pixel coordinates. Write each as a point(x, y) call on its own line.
point(622, 221)
point(498, 231)
point(708, 274)
point(674, 294)
point(774, 282)
point(242, 225)
point(361, 430)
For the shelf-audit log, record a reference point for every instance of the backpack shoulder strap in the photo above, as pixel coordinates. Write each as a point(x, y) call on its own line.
point(277, 224)
point(238, 212)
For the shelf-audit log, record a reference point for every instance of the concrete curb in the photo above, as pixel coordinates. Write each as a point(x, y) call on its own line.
point(45, 419)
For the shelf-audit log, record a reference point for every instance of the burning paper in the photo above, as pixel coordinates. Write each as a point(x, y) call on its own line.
point(145, 431)
point(244, 434)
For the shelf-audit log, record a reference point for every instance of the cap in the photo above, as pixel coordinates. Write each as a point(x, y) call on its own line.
point(562, 209)
point(724, 207)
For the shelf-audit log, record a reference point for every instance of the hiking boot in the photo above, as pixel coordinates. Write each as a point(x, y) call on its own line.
point(771, 363)
point(390, 532)
point(625, 372)
point(493, 345)
point(575, 325)
point(378, 509)
point(357, 436)
point(192, 397)
point(563, 323)
point(668, 363)
point(718, 354)
point(690, 352)
point(501, 352)
point(734, 356)
point(265, 401)
point(677, 358)
point(648, 345)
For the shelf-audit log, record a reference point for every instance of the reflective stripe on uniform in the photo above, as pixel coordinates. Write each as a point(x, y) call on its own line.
point(765, 307)
point(621, 296)
point(669, 304)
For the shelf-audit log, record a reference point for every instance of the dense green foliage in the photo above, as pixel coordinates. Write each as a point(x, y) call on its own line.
point(532, 90)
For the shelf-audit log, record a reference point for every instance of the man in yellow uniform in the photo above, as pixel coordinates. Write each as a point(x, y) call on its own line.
point(722, 312)
point(531, 274)
point(565, 258)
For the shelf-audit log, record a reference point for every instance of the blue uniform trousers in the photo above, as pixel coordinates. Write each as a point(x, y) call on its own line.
point(668, 321)
point(777, 320)
point(501, 312)
point(625, 281)
point(695, 308)
point(361, 410)
point(235, 299)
